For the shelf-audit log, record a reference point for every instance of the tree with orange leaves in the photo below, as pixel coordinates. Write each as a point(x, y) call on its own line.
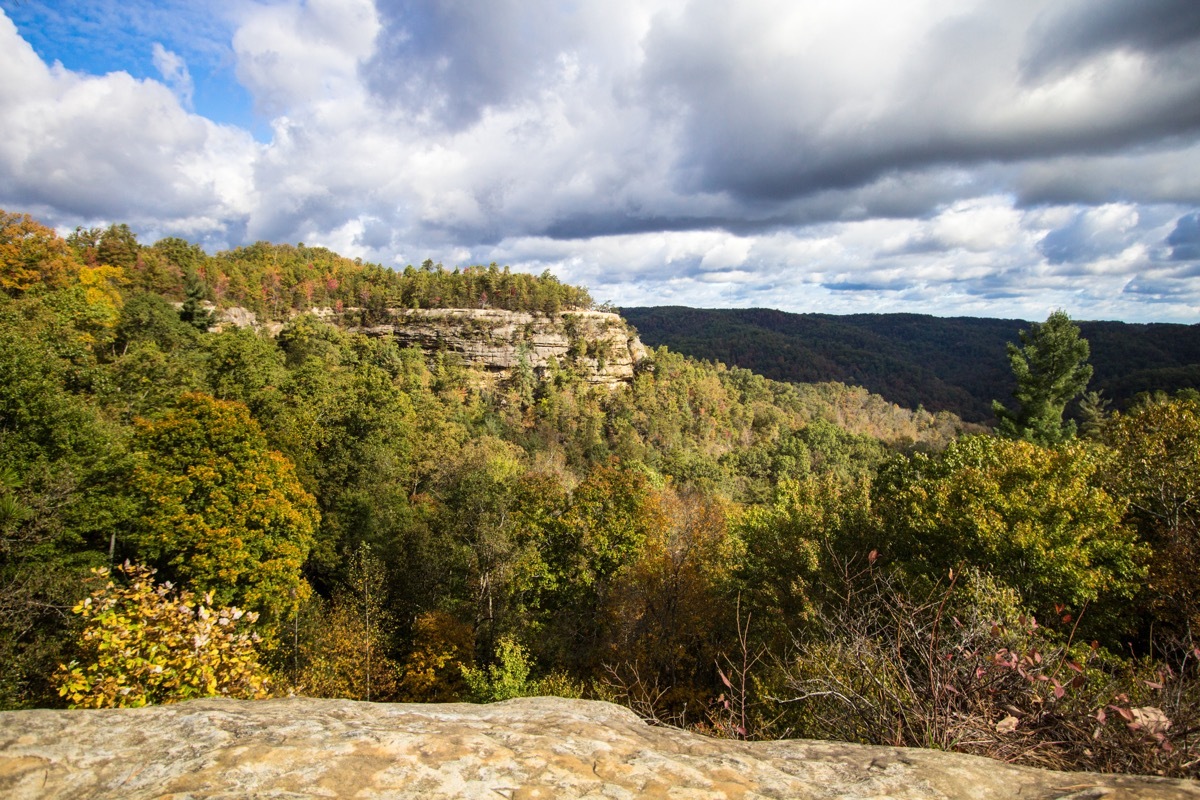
point(32, 254)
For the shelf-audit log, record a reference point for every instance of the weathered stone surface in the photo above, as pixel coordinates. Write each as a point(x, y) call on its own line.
point(530, 748)
point(237, 317)
point(599, 343)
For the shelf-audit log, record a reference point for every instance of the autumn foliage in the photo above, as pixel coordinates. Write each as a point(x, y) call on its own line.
point(717, 550)
point(145, 643)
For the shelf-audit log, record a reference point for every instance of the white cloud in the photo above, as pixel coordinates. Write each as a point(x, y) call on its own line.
point(297, 54)
point(174, 73)
point(76, 147)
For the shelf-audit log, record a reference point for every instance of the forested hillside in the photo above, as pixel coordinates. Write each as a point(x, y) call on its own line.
point(187, 511)
point(951, 364)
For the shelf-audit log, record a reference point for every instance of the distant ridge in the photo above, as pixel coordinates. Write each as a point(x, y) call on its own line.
point(942, 363)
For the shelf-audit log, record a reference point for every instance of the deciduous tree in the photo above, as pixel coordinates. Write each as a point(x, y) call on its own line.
point(220, 510)
point(1035, 518)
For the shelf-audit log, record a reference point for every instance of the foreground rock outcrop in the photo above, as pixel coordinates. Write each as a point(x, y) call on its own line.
point(529, 748)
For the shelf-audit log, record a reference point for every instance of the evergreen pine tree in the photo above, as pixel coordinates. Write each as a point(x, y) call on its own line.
point(1051, 369)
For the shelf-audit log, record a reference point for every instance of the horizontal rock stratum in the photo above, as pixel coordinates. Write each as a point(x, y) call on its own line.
point(528, 748)
point(598, 344)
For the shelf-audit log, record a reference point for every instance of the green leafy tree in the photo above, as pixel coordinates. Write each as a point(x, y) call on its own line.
point(144, 643)
point(786, 543)
point(503, 680)
point(509, 677)
point(1051, 370)
point(1035, 518)
point(61, 479)
point(1157, 469)
point(219, 509)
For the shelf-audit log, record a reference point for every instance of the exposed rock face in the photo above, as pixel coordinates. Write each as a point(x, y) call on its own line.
point(599, 344)
point(596, 343)
point(530, 748)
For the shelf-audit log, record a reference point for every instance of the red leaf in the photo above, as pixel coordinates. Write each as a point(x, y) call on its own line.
point(1153, 684)
point(871, 556)
point(724, 680)
point(1075, 666)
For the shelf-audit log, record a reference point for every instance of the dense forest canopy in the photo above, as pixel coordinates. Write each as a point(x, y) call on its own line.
point(953, 364)
point(275, 280)
point(329, 514)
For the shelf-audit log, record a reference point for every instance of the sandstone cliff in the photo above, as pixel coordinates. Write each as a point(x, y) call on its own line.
point(597, 344)
point(529, 748)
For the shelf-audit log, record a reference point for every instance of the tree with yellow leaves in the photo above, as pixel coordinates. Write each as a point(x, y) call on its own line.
point(219, 509)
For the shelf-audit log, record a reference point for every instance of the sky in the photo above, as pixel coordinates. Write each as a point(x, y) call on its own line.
point(999, 158)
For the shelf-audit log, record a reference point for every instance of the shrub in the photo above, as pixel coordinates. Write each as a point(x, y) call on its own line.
point(509, 677)
point(963, 668)
point(144, 644)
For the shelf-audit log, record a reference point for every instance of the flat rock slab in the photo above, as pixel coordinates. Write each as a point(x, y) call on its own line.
point(528, 748)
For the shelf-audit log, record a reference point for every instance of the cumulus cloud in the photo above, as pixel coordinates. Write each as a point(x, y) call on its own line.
point(1091, 234)
point(294, 55)
point(76, 147)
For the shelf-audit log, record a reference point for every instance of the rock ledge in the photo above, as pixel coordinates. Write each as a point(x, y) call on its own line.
point(528, 748)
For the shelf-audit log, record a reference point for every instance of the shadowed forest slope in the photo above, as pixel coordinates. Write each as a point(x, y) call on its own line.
point(944, 364)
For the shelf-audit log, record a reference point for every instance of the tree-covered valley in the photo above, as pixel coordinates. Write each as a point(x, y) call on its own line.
point(188, 509)
point(951, 364)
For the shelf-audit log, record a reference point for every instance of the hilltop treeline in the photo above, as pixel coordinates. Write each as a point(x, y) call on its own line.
point(274, 280)
point(949, 364)
point(186, 512)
